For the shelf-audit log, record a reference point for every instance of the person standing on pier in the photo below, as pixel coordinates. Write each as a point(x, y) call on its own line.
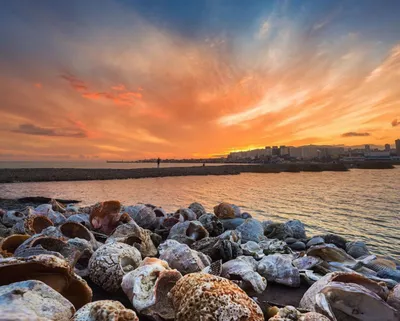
point(158, 162)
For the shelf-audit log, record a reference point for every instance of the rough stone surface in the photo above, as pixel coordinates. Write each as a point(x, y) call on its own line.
point(105, 310)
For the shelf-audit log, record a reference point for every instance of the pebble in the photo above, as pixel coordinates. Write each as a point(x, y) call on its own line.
point(315, 241)
point(297, 246)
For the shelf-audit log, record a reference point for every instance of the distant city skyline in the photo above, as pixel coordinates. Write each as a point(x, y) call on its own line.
point(135, 79)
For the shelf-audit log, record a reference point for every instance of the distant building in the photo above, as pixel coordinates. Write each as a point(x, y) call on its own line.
point(387, 148)
point(283, 151)
point(275, 151)
point(398, 147)
point(378, 155)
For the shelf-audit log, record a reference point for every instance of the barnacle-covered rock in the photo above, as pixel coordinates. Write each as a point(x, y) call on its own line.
point(251, 230)
point(53, 271)
point(278, 231)
point(252, 249)
point(224, 210)
point(10, 218)
point(9, 244)
point(147, 288)
point(144, 216)
point(212, 224)
point(218, 249)
point(278, 268)
point(32, 224)
point(136, 236)
point(233, 236)
point(105, 216)
point(110, 262)
point(291, 313)
point(201, 296)
point(36, 297)
point(181, 257)
point(245, 274)
point(198, 209)
point(188, 232)
point(185, 214)
point(105, 310)
point(48, 245)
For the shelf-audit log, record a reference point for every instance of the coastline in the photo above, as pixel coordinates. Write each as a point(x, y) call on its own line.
point(15, 175)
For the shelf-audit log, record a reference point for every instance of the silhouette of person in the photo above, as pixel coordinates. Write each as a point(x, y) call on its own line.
point(158, 162)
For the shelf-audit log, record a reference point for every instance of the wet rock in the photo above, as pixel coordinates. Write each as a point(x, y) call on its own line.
point(357, 249)
point(224, 211)
point(232, 223)
point(212, 224)
point(198, 209)
point(251, 230)
point(315, 241)
point(298, 229)
point(290, 240)
point(336, 240)
point(278, 231)
point(298, 246)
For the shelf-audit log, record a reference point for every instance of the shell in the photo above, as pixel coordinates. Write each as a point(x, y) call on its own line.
point(136, 236)
point(9, 244)
point(37, 297)
point(143, 215)
point(198, 209)
point(251, 230)
point(331, 253)
point(185, 214)
point(394, 297)
point(336, 240)
point(212, 224)
point(232, 223)
point(357, 249)
point(218, 249)
point(147, 288)
point(57, 206)
point(224, 210)
point(110, 262)
point(233, 236)
point(107, 310)
point(309, 300)
point(105, 216)
point(80, 218)
point(278, 231)
point(298, 229)
point(278, 268)
point(81, 267)
point(188, 232)
point(70, 230)
point(48, 245)
point(32, 224)
point(53, 271)
point(245, 273)
point(348, 300)
point(212, 298)
point(306, 262)
point(10, 218)
point(182, 257)
point(253, 249)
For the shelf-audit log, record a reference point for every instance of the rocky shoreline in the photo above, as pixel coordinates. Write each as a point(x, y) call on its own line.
point(107, 261)
point(14, 175)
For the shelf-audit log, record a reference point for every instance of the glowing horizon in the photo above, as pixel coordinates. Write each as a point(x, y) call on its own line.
point(132, 80)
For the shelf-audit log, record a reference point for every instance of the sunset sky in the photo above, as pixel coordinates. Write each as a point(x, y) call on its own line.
point(130, 79)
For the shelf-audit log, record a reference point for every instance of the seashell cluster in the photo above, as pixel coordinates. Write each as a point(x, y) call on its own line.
point(144, 263)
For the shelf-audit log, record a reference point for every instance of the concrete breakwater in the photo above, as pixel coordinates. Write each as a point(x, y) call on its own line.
point(77, 174)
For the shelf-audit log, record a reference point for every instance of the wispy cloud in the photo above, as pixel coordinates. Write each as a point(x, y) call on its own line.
point(355, 134)
point(31, 129)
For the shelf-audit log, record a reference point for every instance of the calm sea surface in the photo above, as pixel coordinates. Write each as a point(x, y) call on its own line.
point(359, 204)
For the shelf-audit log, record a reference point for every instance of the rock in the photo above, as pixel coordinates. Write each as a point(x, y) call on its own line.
point(212, 298)
point(198, 209)
point(315, 241)
point(298, 229)
point(251, 230)
point(298, 246)
point(336, 240)
point(278, 268)
point(212, 224)
point(232, 223)
point(290, 240)
point(278, 231)
point(224, 211)
point(105, 310)
point(36, 297)
point(357, 249)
